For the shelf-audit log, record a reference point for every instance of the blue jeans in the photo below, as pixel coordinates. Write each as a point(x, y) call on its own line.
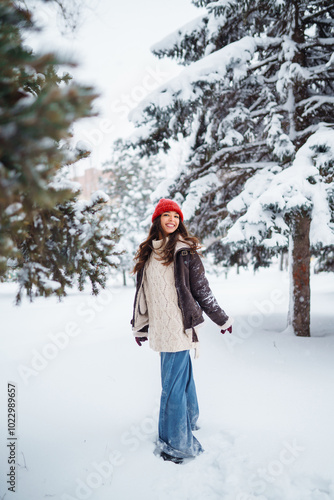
point(178, 407)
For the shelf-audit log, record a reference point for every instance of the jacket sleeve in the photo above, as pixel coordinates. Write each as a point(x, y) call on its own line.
point(140, 320)
point(202, 292)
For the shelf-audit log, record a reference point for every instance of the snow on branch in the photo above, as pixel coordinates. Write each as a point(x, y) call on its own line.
point(325, 41)
point(213, 67)
point(197, 189)
point(174, 39)
point(97, 198)
point(203, 28)
point(272, 194)
point(288, 73)
point(220, 4)
point(314, 102)
point(62, 183)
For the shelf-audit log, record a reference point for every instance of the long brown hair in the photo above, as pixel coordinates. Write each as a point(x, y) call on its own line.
point(167, 255)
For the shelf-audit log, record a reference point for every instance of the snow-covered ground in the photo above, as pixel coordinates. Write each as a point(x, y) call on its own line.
point(87, 399)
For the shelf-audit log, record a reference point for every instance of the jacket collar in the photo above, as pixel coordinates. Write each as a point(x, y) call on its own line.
point(181, 245)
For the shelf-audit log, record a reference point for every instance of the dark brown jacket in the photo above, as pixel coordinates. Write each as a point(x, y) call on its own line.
point(193, 292)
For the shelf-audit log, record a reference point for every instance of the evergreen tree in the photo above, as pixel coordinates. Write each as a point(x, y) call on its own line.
point(47, 237)
point(296, 204)
point(257, 87)
point(129, 182)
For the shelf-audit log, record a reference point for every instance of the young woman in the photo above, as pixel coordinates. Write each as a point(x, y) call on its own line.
point(172, 291)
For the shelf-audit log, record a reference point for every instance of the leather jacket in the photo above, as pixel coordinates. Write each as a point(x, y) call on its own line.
point(193, 292)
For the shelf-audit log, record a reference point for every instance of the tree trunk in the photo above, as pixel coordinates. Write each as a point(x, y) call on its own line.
point(300, 279)
point(124, 277)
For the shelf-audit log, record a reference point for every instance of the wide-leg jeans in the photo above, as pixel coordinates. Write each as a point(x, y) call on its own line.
point(178, 406)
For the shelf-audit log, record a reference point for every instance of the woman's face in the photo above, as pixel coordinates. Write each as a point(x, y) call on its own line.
point(169, 222)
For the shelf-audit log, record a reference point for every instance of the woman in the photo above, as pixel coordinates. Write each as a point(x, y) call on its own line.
point(172, 291)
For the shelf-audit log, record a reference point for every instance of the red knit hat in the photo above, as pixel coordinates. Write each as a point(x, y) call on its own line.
point(165, 205)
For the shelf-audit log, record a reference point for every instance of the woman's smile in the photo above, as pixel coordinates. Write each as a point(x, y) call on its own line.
point(169, 222)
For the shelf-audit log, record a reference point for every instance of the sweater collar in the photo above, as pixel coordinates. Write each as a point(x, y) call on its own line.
point(157, 244)
point(180, 245)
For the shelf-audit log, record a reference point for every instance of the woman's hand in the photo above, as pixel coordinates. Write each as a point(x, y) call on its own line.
point(139, 340)
point(229, 329)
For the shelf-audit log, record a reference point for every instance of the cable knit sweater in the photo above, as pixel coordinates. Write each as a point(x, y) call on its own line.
point(166, 326)
point(170, 301)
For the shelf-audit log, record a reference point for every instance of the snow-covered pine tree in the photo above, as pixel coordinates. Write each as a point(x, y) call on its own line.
point(48, 238)
point(258, 83)
point(295, 203)
point(129, 182)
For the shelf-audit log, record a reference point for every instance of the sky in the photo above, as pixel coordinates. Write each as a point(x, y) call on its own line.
point(112, 46)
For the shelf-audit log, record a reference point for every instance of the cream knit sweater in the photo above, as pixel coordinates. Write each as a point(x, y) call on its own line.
point(166, 331)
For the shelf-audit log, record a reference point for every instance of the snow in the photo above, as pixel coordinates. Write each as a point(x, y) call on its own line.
point(255, 186)
point(196, 191)
point(208, 23)
point(61, 183)
point(232, 138)
point(99, 197)
point(271, 193)
point(113, 260)
point(213, 67)
point(221, 3)
point(88, 397)
point(289, 48)
point(314, 102)
point(51, 284)
point(13, 208)
point(174, 39)
point(288, 73)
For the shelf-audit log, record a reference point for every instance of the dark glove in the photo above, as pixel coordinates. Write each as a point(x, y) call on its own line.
point(229, 329)
point(139, 340)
